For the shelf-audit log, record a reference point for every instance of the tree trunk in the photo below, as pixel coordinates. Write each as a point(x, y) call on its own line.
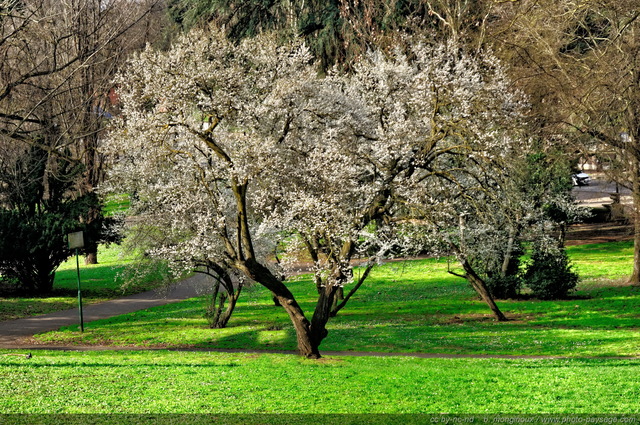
point(338, 306)
point(339, 296)
point(216, 317)
point(91, 258)
point(507, 256)
point(233, 300)
point(221, 318)
point(322, 313)
point(213, 310)
point(482, 290)
point(312, 246)
point(307, 343)
point(91, 234)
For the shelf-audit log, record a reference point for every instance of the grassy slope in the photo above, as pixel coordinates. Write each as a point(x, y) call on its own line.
point(186, 382)
point(410, 307)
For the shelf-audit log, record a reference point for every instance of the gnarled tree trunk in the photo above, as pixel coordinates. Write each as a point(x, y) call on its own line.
point(307, 338)
point(480, 287)
point(217, 315)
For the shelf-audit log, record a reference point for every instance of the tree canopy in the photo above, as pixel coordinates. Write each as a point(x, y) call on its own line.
point(229, 147)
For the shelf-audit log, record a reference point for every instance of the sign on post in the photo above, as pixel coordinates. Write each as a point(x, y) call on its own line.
point(76, 241)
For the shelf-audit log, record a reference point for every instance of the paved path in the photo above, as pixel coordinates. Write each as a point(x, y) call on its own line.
point(12, 332)
point(598, 192)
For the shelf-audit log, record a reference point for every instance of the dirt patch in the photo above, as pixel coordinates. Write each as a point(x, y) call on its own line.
point(461, 319)
point(586, 233)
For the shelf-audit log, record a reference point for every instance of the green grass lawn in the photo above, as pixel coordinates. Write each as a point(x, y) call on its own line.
point(409, 307)
point(406, 307)
point(100, 282)
point(196, 382)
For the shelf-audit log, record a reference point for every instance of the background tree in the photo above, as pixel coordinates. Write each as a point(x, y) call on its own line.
point(579, 63)
point(34, 219)
point(530, 202)
point(339, 32)
point(58, 62)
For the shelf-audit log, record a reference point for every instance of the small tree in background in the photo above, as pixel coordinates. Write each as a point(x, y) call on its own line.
point(39, 207)
point(550, 275)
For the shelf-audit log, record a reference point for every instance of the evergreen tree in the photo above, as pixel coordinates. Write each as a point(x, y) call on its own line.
point(39, 207)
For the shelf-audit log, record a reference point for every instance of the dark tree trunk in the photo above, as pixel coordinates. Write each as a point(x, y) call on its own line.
point(481, 288)
point(40, 281)
point(224, 317)
point(217, 315)
point(221, 318)
point(322, 313)
point(307, 342)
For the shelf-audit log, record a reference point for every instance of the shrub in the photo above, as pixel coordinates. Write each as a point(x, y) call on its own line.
point(502, 284)
point(39, 206)
point(504, 287)
point(550, 275)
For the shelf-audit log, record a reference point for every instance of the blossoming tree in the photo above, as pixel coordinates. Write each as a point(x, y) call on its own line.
point(228, 147)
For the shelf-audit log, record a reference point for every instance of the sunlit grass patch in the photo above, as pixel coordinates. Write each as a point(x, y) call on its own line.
point(411, 306)
point(200, 382)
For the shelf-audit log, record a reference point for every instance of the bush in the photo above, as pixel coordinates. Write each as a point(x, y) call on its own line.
point(39, 206)
point(502, 284)
point(550, 275)
point(32, 248)
point(503, 287)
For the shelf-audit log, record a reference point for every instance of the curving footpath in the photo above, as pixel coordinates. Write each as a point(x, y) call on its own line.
point(14, 332)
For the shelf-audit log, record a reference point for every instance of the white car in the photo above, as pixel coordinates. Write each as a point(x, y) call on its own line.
point(580, 179)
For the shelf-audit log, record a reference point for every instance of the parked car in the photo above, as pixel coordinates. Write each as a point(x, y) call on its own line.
point(580, 179)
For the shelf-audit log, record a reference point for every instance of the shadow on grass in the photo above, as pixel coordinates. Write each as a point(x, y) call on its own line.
point(414, 307)
point(608, 248)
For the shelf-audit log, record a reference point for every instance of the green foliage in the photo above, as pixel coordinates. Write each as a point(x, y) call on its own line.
point(32, 248)
point(502, 284)
point(534, 204)
point(40, 208)
point(545, 180)
point(504, 287)
point(550, 275)
point(241, 18)
point(35, 219)
point(336, 32)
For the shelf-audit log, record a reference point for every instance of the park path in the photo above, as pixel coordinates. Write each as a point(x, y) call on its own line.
point(14, 332)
